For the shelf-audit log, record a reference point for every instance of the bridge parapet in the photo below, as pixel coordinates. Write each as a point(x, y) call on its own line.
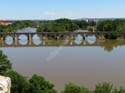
point(56, 35)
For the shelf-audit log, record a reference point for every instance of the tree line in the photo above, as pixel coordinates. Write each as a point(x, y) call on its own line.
point(17, 25)
point(63, 25)
point(59, 25)
point(111, 25)
point(38, 84)
point(115, 26)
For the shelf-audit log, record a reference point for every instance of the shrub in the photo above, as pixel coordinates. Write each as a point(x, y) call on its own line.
point(103, 88)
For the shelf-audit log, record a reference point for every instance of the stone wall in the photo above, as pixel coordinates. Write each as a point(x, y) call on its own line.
point(5, 84)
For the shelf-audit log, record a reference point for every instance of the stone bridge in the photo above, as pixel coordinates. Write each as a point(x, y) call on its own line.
point(57, 35)
point(46, 36)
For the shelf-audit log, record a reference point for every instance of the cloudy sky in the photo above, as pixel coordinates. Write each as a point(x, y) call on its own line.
point(53, 9)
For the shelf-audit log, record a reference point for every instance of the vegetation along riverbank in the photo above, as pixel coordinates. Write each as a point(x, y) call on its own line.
point(67, 25)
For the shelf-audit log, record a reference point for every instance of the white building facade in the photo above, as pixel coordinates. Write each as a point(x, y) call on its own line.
point(5, 84)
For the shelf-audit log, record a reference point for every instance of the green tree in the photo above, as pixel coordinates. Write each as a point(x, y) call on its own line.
point(103, 88)
point(106, 25)
point(72, 88)
point(91, 23)
point(39, 85)
point(114, 35)
point(117, 25)
point(17, 25)
point(5, 64)
point(68, 24)
point(19, 82)
point(121, 90)
point(82, 24)
point(59, 25)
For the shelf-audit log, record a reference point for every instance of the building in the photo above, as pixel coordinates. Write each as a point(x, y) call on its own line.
point(5, 23)
point(5, 84)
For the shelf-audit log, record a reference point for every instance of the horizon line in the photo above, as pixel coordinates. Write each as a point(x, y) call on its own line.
point(71, 18)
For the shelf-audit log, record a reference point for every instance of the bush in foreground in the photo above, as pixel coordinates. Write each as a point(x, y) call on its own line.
point(72, 88)
point(19, 82)
point(5, 64)
point(39, 85)
point(36, 84)
point(103, 88)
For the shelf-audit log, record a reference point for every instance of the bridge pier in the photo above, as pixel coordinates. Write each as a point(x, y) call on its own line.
point(15, 39)
point(123, 36)
point(58, 36)
point(64, 37)
point(85, 37)
point(84, 42)
point(44, 37)
point(71, 42)
point(1, 37)
point(29, 39)
point(72, 37)
point(43, 42)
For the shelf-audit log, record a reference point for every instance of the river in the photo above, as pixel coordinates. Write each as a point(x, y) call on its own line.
point(81, 64)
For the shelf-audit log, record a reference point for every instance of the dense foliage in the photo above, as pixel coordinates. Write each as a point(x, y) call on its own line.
point(100, 88)
point(111, 25)
point(5, 64)
point(115, 26)
point(72, 88)
point(39, 85)
point(61, 25)
point(17, 25)
point(19, 82)
point(36, 84)
point(103, 88)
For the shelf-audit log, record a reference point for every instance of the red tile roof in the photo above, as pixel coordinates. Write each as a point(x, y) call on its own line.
point(5, 23)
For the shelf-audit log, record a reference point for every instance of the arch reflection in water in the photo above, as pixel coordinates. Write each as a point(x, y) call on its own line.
point(91, 39)
point(66, 40)
point(23, 39)
point(36, 40)
point(78, 39)
point(9, 40)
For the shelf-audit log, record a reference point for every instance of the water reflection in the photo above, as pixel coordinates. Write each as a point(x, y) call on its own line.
point(36, 40)
point(66, 40)
point(81, 65)
point(23, 39)
point(107, 45)
point(110, 45)
point(78, 39)
point(9, 40)
point(91, 39)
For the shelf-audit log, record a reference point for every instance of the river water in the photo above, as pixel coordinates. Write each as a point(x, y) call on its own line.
point(81, 64)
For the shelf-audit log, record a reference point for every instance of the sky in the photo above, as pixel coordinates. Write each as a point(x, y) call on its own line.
point(54, 9)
